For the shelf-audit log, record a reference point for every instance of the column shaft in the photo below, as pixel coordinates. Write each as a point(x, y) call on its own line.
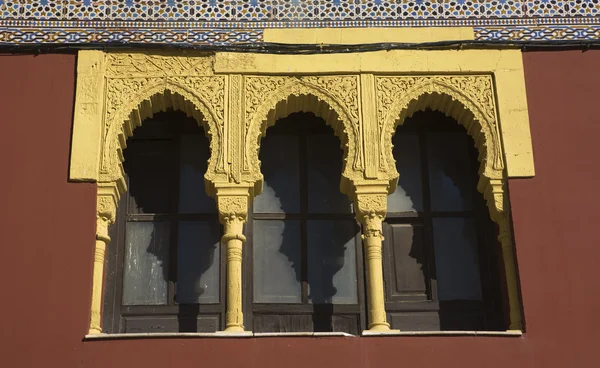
point(233, 239)
point(510, 271)
point(370, 199)
point(232, 201)
point(372, 239)
point(102, 240)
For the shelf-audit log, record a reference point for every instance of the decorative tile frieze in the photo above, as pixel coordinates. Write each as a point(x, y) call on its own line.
point(166, 21)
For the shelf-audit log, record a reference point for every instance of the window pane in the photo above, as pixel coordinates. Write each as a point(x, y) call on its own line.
point(450, 175)
point(146, 263)
point(409, 193)
point(198, 262)
point(407, 244)
point(332, 262)
point(193, 165)
point(456, 259)
point(279, 165)
point(324, 160)
point(277, 261)
point(148, 166)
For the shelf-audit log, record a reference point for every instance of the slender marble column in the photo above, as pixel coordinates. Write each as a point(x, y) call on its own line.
point(510, 271)
point(495, 193)
point(105, 216)
point(371, 206)
point(102, 240)
point(233, 213)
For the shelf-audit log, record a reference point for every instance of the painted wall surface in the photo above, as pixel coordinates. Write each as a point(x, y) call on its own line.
point(47, 226)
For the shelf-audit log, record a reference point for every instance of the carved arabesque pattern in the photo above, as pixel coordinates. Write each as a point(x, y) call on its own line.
point(130, 101)
point(469, 99)
point(333, 98)
point(131, 65)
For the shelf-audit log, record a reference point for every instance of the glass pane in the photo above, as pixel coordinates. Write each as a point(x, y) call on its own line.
point(193, 165)
point(279, 165)
point(277, 261)
point(146, 263)
point(332, 262)
point(198, 262)
point(450, 175)
point(148, 166)
point(409, 193)
point(324, 161)
point(456, 259)
point(407, 242)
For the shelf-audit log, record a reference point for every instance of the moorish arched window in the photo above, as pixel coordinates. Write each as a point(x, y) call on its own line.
point(441, 256)
point(306, 259)
point(165, 270)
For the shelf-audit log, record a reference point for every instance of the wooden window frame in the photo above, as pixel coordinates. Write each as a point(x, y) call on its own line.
point(252, 309)
point(488, 249)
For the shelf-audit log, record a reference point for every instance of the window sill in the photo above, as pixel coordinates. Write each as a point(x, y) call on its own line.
point(249, 334)
point(509, 333)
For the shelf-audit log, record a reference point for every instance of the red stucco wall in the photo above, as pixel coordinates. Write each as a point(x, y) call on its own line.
point(47, 237)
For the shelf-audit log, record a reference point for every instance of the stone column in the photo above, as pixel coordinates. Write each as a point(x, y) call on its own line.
point(510, 271)
point(232, 202)
point(494, 192)
point(105, 216)
point(370, 206)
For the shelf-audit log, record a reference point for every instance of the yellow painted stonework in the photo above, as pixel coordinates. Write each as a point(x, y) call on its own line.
point(355, 36)
point(362, 96)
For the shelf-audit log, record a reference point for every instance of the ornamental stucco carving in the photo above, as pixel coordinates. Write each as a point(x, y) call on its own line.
point(116, 92)
point(138, 86)
point(333, 98)
point(469, 99)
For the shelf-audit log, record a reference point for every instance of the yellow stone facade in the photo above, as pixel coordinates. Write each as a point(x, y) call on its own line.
point(362, 96)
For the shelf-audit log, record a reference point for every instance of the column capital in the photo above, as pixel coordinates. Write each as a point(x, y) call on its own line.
point(370, 203)
point(232, 202)
point(107, 201)
point(370, 198)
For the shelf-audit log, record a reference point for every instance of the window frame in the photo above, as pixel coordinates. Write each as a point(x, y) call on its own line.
point(492, 284)
point(305, 307)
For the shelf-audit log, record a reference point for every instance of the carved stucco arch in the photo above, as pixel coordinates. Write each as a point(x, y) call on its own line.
point(470, 101)
point(307, 94)
point(155, 98)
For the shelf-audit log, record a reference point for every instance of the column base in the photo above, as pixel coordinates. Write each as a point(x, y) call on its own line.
point(378, 327)
point(380, 332)
point(94, 331)
point(234, 331)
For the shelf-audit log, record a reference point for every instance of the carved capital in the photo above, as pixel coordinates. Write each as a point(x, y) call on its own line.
point(493, 192)
point(370, 205)
point(232, 203)
point(232, 208)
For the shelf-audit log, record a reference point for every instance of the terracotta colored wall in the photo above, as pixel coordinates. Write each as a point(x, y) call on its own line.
point(47, 236)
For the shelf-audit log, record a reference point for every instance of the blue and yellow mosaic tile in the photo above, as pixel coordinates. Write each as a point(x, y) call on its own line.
point(222, 22)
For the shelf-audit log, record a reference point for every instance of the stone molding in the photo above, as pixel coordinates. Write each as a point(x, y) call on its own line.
point(117, 91)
